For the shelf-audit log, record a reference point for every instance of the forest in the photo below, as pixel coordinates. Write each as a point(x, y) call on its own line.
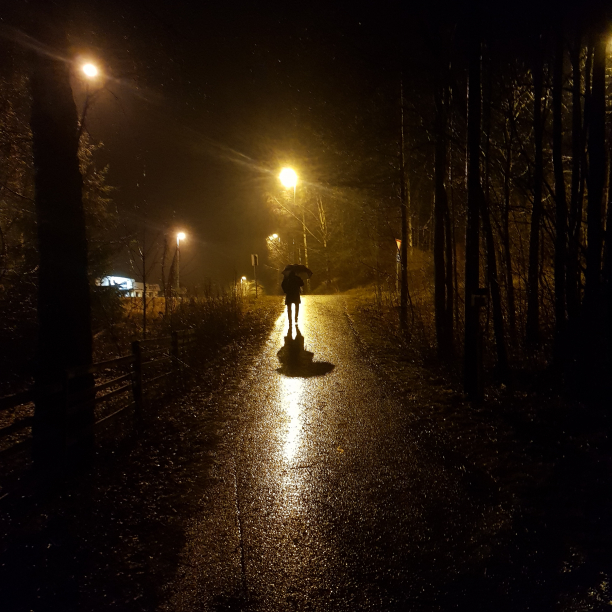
point(493, 169)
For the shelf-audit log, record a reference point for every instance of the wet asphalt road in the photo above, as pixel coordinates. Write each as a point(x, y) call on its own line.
point(325, 496)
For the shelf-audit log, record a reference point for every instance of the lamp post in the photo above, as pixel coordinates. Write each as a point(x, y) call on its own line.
point(180, 236)
point(91, 73)
point(289, 178)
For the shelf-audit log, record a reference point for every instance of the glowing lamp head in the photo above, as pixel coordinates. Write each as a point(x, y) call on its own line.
point(243, 279)
point(273, 236)
point(90, 70)
point(181, 236)
point(288, 177)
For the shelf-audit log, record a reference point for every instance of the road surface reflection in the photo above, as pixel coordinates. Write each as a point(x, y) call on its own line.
point(291, 389)
point(297, 364)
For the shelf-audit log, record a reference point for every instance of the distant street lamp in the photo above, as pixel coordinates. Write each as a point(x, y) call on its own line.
point(289, 179)
point(180, 236)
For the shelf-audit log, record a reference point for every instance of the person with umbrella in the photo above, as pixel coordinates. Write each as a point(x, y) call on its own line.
point(291, 286)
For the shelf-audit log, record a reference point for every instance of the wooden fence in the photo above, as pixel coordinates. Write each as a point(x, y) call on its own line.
point(124, 380)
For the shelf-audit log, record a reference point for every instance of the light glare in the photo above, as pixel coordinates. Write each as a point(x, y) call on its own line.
point(90, 70)
point(181, 236)
point(288, 177)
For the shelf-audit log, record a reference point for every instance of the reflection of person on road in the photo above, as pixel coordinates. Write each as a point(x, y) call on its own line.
point(291, 286)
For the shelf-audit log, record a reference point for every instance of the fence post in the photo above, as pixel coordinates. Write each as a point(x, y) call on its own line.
point(174, 351)
point(137, 381)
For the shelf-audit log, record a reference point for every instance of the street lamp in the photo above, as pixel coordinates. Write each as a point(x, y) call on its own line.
point(91, 71)
point(289, 179)
point(180, 236)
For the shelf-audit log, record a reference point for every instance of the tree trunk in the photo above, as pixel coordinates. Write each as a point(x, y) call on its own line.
point(560, 199)
point(506, 230)
point(323, 229)
point(593, 354)
point(404, 219)
point(498, 317)
point(471, 352)
point(444, 338)
point(533, 275)
point(597, 169)
point(607, 271)
point(64, 317)
point(450, 289)
point(575, 212)
point(491, 267)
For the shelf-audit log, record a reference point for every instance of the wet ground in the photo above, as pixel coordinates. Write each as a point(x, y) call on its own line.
point(312, 479)
point(323, 497)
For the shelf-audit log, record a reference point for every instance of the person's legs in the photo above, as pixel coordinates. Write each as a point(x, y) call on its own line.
point(289, 312)
point(297, 311)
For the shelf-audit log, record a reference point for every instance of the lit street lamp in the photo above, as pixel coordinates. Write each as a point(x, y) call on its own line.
point(90, 70)
point(180, 236)
point(289, 179)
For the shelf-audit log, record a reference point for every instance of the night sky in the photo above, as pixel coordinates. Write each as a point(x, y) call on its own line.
point(205, 102)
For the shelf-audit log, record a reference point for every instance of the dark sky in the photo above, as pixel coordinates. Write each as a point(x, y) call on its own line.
point(209, 100)
point(205, 101)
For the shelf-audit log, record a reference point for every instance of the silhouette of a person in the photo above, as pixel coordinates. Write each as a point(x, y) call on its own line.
point(291, 286)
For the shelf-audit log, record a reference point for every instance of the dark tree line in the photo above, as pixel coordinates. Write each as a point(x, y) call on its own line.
point(522, 97)
point(501, 117)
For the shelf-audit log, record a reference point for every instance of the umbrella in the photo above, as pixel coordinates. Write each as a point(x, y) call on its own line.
point(299, 269)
